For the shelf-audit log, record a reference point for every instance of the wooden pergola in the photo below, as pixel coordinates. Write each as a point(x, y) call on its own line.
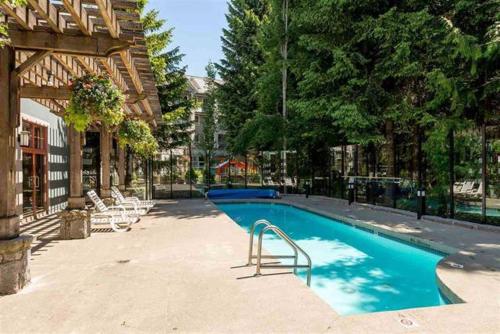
point(53, 41)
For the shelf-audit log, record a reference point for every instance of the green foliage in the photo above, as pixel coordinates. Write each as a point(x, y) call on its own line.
point(207, 140)
point(195, 175)
point(94, 99)
point(157, 40)
point(137, 134)
point(171, 82)
point(356, 66)
point(496, 146)
point(237, 99)
point(175, 130)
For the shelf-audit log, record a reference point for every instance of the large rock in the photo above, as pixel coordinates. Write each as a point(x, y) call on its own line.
point(75, 224)
point(14, 264)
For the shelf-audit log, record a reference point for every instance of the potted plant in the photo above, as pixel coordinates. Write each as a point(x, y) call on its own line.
point(94, 99)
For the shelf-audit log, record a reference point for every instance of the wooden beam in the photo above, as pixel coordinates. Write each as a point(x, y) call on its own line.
point(21, 14)
point(128, 61)
point(79, 15)
point(57, 93)
point(49, 13)
point(101, 47)
point(31, 61)
point(70, 64)
point(109, 17)
point(45, 92)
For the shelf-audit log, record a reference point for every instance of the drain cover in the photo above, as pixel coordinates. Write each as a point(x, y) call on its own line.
point(407, 322)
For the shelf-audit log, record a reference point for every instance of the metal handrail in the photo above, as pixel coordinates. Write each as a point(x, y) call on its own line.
point(286, 238)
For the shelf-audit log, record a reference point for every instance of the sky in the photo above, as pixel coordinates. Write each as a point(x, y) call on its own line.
point(197, 26)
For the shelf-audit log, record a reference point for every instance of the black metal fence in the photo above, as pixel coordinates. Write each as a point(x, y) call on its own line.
point(461, 192)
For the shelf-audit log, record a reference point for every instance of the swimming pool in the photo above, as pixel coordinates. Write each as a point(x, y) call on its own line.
point(354, 271)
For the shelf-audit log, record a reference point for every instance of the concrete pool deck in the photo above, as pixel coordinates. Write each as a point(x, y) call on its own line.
point(180, 270)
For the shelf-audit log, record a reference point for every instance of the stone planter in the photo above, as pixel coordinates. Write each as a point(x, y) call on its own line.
point(75, 224)
point(14, 264)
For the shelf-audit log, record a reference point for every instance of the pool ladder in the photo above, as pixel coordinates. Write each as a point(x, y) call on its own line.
point(296, 250)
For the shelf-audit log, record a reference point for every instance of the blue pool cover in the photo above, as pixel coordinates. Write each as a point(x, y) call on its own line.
point(242, 193)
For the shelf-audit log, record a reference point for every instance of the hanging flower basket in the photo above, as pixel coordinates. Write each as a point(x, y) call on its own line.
point(137, 134)
point(94, 99)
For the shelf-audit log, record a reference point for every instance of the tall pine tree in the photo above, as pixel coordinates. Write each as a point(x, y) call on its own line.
point(207, 140)
point(157, 39)
point(243, 57)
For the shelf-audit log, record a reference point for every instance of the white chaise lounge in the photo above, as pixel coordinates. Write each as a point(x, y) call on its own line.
point(118, 217)
point(143, 206)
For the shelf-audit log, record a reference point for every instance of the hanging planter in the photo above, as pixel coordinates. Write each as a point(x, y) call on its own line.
point(94, 99)
point(137, 134)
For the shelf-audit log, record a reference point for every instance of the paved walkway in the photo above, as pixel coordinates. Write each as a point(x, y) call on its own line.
point(179, 270)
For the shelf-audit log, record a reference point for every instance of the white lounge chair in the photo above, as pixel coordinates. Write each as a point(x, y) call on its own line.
point(476, 192)
point(269, 181)
point(143, 206)
point(457, 187)
point(118, 217)
point(467, 187)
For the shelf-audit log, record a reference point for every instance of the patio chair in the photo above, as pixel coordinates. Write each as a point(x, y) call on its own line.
point(269, 182)
point(476, 192)
point(467, 187)
point(144, 206)
point(457, 187)
point(118, 217)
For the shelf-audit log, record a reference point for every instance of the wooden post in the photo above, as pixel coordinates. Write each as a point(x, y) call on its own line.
point(9, 111)
point(121, 168)
point(105, 163)
point(76, 198)
point(14, 248)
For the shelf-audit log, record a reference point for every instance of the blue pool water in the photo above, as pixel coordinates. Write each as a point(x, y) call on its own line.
point(354, 271)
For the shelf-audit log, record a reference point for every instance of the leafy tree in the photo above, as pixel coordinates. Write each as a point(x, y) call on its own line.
point(237, 99)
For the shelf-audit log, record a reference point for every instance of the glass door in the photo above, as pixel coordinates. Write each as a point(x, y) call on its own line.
point(28, 184)
point(35, 185)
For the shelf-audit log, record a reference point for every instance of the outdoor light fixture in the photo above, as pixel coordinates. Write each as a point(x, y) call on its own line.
point(24, 138)
point(50, 78)
point(421, 193)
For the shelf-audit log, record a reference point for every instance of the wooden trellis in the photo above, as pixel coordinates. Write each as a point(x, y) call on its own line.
point(57, 40)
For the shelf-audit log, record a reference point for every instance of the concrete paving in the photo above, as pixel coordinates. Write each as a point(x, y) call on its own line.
point(180, 271)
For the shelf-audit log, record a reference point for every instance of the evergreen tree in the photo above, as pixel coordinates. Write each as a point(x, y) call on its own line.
point(237, 99)
point(157, 39)
point(176, 104)
point(207, 140)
